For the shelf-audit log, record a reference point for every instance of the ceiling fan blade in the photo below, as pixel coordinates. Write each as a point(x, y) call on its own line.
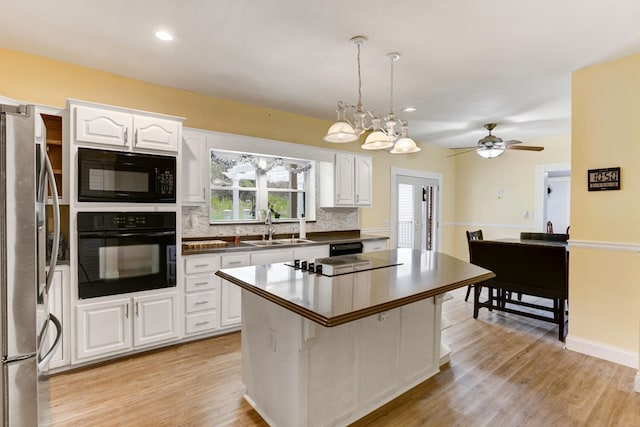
point(461, 152)
point(525, 147)
point(511, 142)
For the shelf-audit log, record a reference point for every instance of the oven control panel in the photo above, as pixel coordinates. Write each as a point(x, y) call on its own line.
point(105, 221)
point(128, 220)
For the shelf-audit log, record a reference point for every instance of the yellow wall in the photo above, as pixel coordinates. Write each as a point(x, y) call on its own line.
point(39, 80)
point(605, 283)
point(478, 181)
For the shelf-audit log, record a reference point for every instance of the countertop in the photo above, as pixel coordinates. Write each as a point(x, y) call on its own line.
point(325, 238)
point(332, 301)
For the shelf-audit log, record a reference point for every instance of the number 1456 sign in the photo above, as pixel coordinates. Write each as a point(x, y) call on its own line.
point(604, 179)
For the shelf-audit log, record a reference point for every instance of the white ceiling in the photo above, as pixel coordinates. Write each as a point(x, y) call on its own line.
point(463, 63)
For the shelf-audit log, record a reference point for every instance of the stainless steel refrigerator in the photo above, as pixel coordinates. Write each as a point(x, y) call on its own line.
point(25, 174)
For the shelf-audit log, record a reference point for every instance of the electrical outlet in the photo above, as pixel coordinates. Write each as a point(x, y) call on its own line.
point(383, 316)
point(526, 215)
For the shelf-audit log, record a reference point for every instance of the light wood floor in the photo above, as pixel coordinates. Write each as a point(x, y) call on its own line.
point(505, 370)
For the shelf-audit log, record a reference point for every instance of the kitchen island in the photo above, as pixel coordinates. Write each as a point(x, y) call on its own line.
point(326, 349)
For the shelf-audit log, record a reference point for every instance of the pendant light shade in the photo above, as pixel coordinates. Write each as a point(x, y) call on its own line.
point(377, 140)
point(405, 145)
point(340, 132)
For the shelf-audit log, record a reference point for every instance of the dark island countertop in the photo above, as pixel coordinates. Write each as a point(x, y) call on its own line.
point(331, 301)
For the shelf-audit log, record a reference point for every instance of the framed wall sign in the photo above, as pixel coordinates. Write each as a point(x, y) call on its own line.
point(604, 179)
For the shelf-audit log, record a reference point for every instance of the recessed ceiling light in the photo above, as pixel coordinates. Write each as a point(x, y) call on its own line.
point(409, 109)
point(163, 35)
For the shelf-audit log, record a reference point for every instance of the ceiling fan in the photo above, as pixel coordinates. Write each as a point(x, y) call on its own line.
point(492, 146)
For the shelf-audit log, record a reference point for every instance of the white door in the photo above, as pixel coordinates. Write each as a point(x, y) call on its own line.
point(558, 203)
point(415, 205)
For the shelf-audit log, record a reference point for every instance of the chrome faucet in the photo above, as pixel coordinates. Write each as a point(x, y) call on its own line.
point(269, 224)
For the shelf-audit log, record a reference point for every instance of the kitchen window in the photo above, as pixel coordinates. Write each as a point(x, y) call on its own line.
point(243, 186)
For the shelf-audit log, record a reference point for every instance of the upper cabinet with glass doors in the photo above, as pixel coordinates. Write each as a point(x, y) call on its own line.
point(127, 130)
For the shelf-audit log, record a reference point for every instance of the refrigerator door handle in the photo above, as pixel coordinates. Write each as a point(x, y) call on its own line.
point(56, 222)
point(43, 361)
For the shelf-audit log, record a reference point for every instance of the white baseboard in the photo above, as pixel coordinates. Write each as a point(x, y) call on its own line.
point(602, 351)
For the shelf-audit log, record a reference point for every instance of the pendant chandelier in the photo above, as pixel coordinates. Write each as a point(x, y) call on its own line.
point(383, 135)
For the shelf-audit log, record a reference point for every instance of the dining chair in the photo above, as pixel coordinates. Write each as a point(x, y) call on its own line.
point(472, 235)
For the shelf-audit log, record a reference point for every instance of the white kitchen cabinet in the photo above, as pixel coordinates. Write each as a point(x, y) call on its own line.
point(347, 182)
point(124, 129)
point(230, 294)
point(271, 256)
point(103, 329)
point(363, 177)
point(195, 167)
point(202, 299)
point(344, 180)
point(374, 245)
point(116, 326)
point(59, 307)
point(155, 319)
point(101, 126)
point(310, 253)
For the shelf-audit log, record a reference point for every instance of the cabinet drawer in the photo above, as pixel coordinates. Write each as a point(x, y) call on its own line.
point(200, 301)
point(201, 322)
point(374, 245)
point(200, 283)
point(235, 260)
point(201, 264)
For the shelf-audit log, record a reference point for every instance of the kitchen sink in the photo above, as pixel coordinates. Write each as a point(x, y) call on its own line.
point(277, 242)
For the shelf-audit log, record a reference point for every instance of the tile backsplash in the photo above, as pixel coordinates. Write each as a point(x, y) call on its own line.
point(195, 223)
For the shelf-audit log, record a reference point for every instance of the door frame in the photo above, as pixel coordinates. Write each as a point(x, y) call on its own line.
point(542, 173)
point(395, 172)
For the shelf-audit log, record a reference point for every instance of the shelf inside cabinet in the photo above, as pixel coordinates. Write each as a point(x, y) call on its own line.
point(53, 126)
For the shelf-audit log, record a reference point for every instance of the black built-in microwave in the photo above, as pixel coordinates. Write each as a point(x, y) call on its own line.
point(115, 176)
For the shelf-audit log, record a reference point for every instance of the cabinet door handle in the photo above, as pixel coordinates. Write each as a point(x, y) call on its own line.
point(200, 283)
point(126, 311)
point(136, 309)
point(126, 135)
point(135, 137)
point(235, 262)
point(202, 323)
point(204, 192)
point(201, 302)
point(201, 265)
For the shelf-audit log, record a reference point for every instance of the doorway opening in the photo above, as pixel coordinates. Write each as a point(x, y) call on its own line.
point(415, 203)
point(553, 197)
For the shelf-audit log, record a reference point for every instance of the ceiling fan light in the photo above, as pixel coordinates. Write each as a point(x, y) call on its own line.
point(341, 132)
point(405, 145)
point(377, 140)
point(489, 153)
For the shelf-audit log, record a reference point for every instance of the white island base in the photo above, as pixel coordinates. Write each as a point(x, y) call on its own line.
point(298, 373)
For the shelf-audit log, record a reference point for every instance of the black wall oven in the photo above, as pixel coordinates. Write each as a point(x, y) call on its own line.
point(115, 176)
point(122, 252)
